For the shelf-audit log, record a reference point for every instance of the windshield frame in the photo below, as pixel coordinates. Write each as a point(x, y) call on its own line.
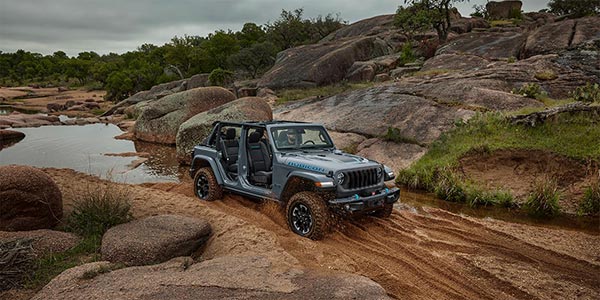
point(277, 129)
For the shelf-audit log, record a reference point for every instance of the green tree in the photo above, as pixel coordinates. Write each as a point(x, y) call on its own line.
point(412, 19)
point(250, 34)
point(78, 68)
point(219, 47)
point(118, 86)
point(289, 30)
point(436, 12)
point(255, 58)
point(323, 26)
point(575, 8)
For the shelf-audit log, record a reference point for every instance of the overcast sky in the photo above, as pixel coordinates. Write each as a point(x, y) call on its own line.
point(118, 26)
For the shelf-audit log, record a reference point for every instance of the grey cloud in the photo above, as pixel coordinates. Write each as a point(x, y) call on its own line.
point(118, 26)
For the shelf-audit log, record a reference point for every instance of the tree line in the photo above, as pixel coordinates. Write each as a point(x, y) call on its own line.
point(249, 51)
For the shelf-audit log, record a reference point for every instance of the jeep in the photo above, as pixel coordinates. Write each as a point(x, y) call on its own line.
point(295, 164)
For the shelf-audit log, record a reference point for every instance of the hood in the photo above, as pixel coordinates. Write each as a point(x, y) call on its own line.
point(324, 162)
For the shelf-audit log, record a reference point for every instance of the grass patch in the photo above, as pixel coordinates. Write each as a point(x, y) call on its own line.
point(102, 207)
point(52, 265)
point(543, 200)
point(570, 135)
point(287, 95)
point(590, 203)
point(97, 111)
point(530, 90)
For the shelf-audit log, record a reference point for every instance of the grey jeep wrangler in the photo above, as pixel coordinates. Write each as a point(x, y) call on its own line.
point(295, 164)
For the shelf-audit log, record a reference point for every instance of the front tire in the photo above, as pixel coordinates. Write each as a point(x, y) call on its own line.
point(308, 215)
point(206, 186)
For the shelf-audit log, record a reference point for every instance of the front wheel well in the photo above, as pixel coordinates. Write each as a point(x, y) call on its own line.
point(296, 184)
point(199, 163)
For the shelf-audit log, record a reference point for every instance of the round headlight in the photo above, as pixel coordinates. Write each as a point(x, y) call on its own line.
point(340, 178)
point(379, 172)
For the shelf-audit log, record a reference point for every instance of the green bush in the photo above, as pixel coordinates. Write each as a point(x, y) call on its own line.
point(543, 200)
point(394, 135)
point(546, 75)
point(590, 203)
point(220, 77)
point(100, 208)
point(529, 90)
point(407, 54)
point(587, 93)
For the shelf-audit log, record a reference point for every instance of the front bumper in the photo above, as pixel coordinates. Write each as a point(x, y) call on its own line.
point(358, 204)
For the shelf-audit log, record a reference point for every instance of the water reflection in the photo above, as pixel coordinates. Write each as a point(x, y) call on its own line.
point(82, 148)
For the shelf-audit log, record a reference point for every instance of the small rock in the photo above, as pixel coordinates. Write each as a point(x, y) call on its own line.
point(154, 239)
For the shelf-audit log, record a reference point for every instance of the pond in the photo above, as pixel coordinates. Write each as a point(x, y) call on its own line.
point(83, 148)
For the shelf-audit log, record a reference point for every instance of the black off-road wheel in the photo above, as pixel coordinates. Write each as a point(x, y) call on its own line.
point(308, 215)
point(385, 212)
point(206, 186)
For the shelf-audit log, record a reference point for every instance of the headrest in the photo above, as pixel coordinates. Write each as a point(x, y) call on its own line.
point(254, 137)
point(230, 134)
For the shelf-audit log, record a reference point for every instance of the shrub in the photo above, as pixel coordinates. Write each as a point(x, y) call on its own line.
point(220, 77)
point(529, 90)
point(543, 200)
point(587, 93)
point(407, 55)
point(512, 60)
point(100, 208)
point(546, 75)
point(394, 135)
point(590, 203)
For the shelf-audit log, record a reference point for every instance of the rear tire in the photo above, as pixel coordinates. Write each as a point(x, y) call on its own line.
point(308, 215)
point(385, 212)
point(206, 186)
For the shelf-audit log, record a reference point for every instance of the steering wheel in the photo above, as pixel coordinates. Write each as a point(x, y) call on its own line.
point(309, 141)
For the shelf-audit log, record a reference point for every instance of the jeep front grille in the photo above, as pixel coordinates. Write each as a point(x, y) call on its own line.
point(360, 178)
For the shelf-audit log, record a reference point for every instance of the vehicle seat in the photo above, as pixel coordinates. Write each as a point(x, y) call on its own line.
point(230, 148)
point(260, 161)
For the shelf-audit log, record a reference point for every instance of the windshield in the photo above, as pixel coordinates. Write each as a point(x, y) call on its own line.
point(309, 137)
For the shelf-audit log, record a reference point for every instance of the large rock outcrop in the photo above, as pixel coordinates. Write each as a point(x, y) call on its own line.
point(229, 277)
point(322, 63)
point(554, 37)
point(197, 128)
point(371, 111)
point(160, 121)
point(154, 239)
point(489, 45)
point(29, 199)
point(161, 90)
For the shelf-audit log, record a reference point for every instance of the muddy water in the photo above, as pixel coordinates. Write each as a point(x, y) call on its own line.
point(418, 200)
point(83, 148)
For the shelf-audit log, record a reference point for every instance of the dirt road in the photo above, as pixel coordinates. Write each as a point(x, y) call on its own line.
point(430, 254)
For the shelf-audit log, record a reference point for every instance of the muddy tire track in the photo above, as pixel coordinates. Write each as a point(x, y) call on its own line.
point(429, 254)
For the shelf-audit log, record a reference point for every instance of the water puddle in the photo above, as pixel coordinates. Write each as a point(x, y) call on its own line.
point(82, 148)
point(417, 200)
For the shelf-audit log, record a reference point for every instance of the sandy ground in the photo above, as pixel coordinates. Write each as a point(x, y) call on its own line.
point(430, 254)
point(37, 99)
